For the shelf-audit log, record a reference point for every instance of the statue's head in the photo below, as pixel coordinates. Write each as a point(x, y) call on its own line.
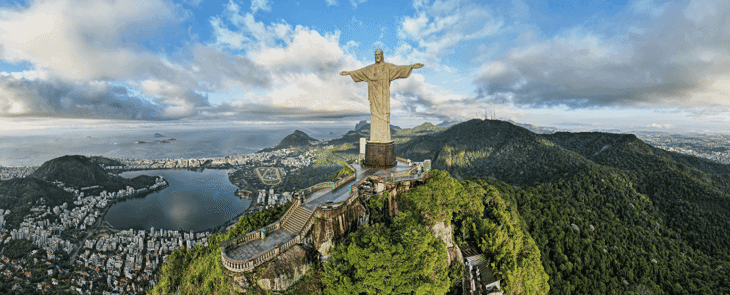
point(379, 56)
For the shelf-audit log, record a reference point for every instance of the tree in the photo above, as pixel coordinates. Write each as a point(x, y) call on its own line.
point(439, 198)
point(403, 258)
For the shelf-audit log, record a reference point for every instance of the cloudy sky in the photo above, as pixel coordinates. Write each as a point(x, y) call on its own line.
point(629, 65)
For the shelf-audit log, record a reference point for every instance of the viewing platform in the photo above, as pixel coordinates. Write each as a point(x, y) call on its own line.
point(246, 252)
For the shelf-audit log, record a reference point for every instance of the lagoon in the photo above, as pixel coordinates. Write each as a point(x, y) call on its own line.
point(193, 200)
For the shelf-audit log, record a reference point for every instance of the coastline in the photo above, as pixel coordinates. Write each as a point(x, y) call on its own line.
point(250, 209)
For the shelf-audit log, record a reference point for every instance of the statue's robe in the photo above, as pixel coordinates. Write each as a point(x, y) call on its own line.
point(378, 76)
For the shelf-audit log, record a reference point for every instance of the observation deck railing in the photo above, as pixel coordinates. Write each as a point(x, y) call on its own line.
point(249, 264)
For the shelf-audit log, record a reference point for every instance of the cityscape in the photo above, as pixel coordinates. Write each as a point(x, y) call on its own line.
point(85, 251)
point(715, 147)
point(577, 148)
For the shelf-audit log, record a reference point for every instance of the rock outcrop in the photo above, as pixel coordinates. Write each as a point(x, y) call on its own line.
point(440, 230)
point(284, 270)
point(443, 232)
point(334, 225)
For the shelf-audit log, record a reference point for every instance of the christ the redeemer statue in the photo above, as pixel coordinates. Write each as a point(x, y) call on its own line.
point(378, 76)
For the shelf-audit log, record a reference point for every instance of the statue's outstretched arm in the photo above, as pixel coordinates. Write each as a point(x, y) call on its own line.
point(417, 65)
point(344, 73)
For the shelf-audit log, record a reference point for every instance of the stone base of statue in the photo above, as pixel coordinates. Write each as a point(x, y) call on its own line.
point(379, 155)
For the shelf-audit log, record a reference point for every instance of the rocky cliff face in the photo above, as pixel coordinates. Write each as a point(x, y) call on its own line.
point(284, 270)
point(332, 226)
point(443, 232)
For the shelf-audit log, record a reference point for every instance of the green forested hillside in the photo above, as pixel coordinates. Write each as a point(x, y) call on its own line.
point(600, 235)
point(81, 171)
point(74, 171)
point(628, 152)
point(400, 256)
point(502, 235)
point(567, 213)
point(492, 148)
point(20, 194)
point(610, 214)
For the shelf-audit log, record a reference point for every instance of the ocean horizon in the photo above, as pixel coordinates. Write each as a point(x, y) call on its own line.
point(34, 147)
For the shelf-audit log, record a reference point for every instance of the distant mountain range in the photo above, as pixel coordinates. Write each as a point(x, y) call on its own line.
point(301, 139)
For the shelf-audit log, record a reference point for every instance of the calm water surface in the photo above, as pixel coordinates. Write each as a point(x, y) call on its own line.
point(32, 148)
point(194, 201)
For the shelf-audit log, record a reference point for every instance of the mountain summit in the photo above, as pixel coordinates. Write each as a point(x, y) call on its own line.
point(296, 139)
point(73, 171)
point(519, 156)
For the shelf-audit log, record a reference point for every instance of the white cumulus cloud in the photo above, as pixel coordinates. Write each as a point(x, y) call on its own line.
point(676, 59)
point(91, 59)
point(441, 26)
point(305, 65)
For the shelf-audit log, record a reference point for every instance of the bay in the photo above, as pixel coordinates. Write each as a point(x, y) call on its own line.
point(193, 201)
point(34, 147)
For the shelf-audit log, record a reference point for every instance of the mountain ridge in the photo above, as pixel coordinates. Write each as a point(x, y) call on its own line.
point(608, 211)
point(73, 170)
point(609, 214)
point(296, 139)
point(490, 147)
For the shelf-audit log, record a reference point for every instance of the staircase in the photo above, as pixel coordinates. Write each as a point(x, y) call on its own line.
point(297, 220)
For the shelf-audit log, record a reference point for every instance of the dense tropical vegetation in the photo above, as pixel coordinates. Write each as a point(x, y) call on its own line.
point(501, 234)
point(609, 213)
point(400, 255)
point(566, 213)
point(344, 172)
point(400, 258)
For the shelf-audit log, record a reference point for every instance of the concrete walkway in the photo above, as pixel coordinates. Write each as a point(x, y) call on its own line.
point(343, 192)
point(311, 202)
point(256, 247)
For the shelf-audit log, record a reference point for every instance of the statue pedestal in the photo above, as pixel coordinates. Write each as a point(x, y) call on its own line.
point(379, 155)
